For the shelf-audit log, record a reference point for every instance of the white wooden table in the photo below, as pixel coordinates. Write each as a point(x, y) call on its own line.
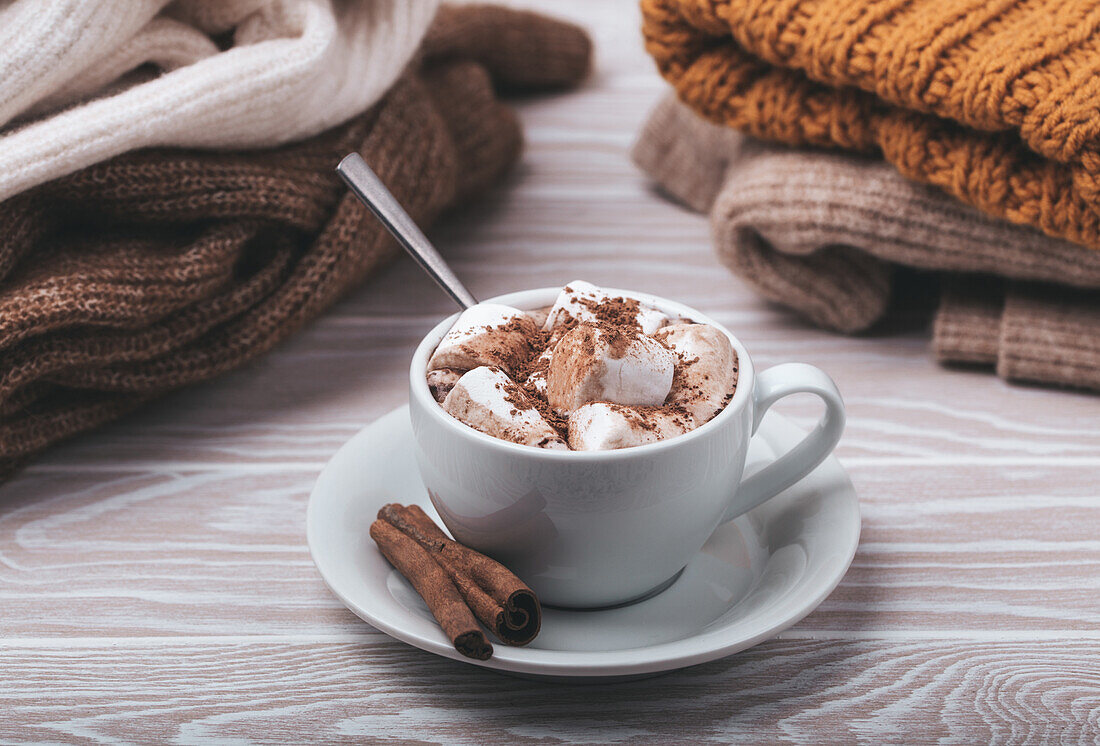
point(155, 583)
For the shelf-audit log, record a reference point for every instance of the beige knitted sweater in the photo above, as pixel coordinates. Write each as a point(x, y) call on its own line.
point(84, 80)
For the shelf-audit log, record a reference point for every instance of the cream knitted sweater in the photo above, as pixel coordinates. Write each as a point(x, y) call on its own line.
point(84, 80)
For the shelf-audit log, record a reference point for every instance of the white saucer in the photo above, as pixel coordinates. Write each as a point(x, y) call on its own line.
point(755, 577)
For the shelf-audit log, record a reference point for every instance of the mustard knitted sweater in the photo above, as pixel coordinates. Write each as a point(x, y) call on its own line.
point(995, 101)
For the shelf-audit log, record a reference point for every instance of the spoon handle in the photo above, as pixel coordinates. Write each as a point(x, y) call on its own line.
point(370, 190)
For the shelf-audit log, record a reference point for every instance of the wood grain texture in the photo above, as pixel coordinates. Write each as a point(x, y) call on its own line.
point(155, 584)
point(788, 690)
point(221, 552)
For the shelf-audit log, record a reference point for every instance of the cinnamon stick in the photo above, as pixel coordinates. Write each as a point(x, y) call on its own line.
point(435, 587)
point(496, 596)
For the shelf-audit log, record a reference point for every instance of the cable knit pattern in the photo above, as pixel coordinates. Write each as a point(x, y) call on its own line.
point(293, 69)
point(994, 101)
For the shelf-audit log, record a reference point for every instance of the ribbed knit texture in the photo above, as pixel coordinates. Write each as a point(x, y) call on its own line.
point(831, 235)
point(995, 101)
point(161, 268)
point(144, 73)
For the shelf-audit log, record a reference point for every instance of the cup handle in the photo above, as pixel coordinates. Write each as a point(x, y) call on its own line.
point(771, 386)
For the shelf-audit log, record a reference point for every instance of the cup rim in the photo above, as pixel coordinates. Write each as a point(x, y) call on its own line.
point(528, 300)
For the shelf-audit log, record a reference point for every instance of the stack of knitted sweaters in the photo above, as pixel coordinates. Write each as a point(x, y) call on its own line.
point(169, 206)
point(961, 138)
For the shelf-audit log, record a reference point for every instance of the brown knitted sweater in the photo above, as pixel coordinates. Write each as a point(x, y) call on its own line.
point(994, 101)
point(849, 243)
point(162, 268)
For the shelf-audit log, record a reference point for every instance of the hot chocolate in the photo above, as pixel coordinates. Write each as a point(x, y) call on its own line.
point(601, 371)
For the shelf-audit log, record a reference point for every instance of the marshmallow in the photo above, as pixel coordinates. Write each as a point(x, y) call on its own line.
point(541, 365)
point(488, 400)
point(601, 426)
point(485, 334)
point(707, 375)
point(580, 300)
point(441, 381)
point(607, 363)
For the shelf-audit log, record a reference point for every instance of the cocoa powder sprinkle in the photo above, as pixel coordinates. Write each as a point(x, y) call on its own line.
point(519, 346)
point(615, 311)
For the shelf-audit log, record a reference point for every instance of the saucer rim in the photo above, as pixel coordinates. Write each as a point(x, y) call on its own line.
point(649, 659)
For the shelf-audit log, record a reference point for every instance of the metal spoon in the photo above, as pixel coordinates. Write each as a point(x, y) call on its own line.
point(370, 190)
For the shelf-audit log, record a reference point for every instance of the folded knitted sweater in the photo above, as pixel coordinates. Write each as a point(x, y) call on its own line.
point(161, 268)
point(994, 101)
point(847, 242)
point(84, 80)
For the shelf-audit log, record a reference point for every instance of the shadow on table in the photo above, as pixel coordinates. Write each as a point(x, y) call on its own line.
point(783, 688)
point(774, 683)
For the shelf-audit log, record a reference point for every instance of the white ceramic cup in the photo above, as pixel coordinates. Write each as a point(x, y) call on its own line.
point(598, 528)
